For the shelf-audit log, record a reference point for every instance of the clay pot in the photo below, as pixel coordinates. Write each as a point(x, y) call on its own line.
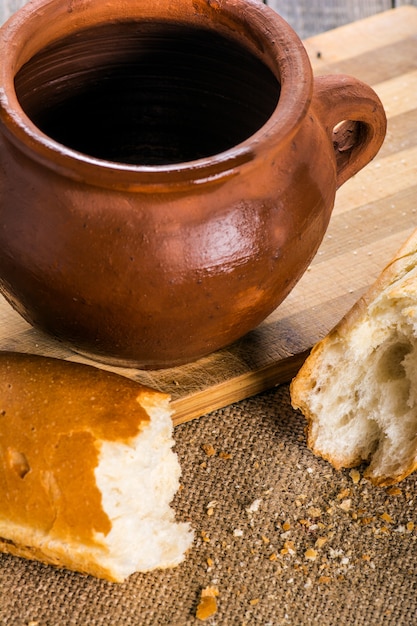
point(167, 170)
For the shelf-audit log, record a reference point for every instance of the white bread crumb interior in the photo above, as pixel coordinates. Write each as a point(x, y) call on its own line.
point(137, 482)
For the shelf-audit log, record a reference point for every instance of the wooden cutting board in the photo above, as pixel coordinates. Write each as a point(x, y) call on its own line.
point(374, 213)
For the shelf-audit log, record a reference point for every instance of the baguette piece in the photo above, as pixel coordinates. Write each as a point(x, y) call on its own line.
point(87, 470)
point(358, 387)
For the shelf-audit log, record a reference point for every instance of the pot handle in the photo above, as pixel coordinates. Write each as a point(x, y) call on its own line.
point(354, 119)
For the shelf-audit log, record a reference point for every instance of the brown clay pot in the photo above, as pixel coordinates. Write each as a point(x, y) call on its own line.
point(167, 170)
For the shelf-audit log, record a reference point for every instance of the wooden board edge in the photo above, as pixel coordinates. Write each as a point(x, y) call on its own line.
point(236, 389)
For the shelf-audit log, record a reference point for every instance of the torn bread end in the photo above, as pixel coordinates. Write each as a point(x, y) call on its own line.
point(87, 469)
point(358, 387)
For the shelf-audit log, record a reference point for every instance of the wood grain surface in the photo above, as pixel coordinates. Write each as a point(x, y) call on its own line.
point(374, 213)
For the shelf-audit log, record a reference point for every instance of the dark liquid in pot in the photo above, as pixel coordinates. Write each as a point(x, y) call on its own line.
point(146, 93)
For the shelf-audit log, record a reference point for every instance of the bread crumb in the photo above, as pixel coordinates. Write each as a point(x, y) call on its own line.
point(225, 456)
point(254, 601)
point(410, 526)
point(207, 606)
point(311, 554)
point(394, 491)
point(208, 449)
point(210, 507)
point(210, 592)
point(314, 512)
point(265, 540)
point(237, 532)
point(254, 507)
point(286, 526)
point(210, 562)
point(273, 556)
point(205, 536)
point(345, 505)
point(343, 494)
point(320, 542)
point(387, 518)
point(325, 580)
point(289, 548)
point(355, 476)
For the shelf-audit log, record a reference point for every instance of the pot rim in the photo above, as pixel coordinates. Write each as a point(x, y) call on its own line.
point(267, 35)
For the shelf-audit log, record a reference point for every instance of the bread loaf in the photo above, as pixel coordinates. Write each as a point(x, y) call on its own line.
point(358, 387)
point(87, 470)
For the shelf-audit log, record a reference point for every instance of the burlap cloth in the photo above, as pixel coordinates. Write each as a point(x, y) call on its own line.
point(284, 538)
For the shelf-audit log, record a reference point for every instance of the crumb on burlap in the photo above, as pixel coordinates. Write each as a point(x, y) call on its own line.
point(208, 449)
point(355, 476)
point(207, 607)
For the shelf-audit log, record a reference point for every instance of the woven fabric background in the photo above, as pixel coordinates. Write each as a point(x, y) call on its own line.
point(284, 538)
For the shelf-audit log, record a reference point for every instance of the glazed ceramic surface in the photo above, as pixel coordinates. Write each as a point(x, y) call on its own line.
point(167, 170)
